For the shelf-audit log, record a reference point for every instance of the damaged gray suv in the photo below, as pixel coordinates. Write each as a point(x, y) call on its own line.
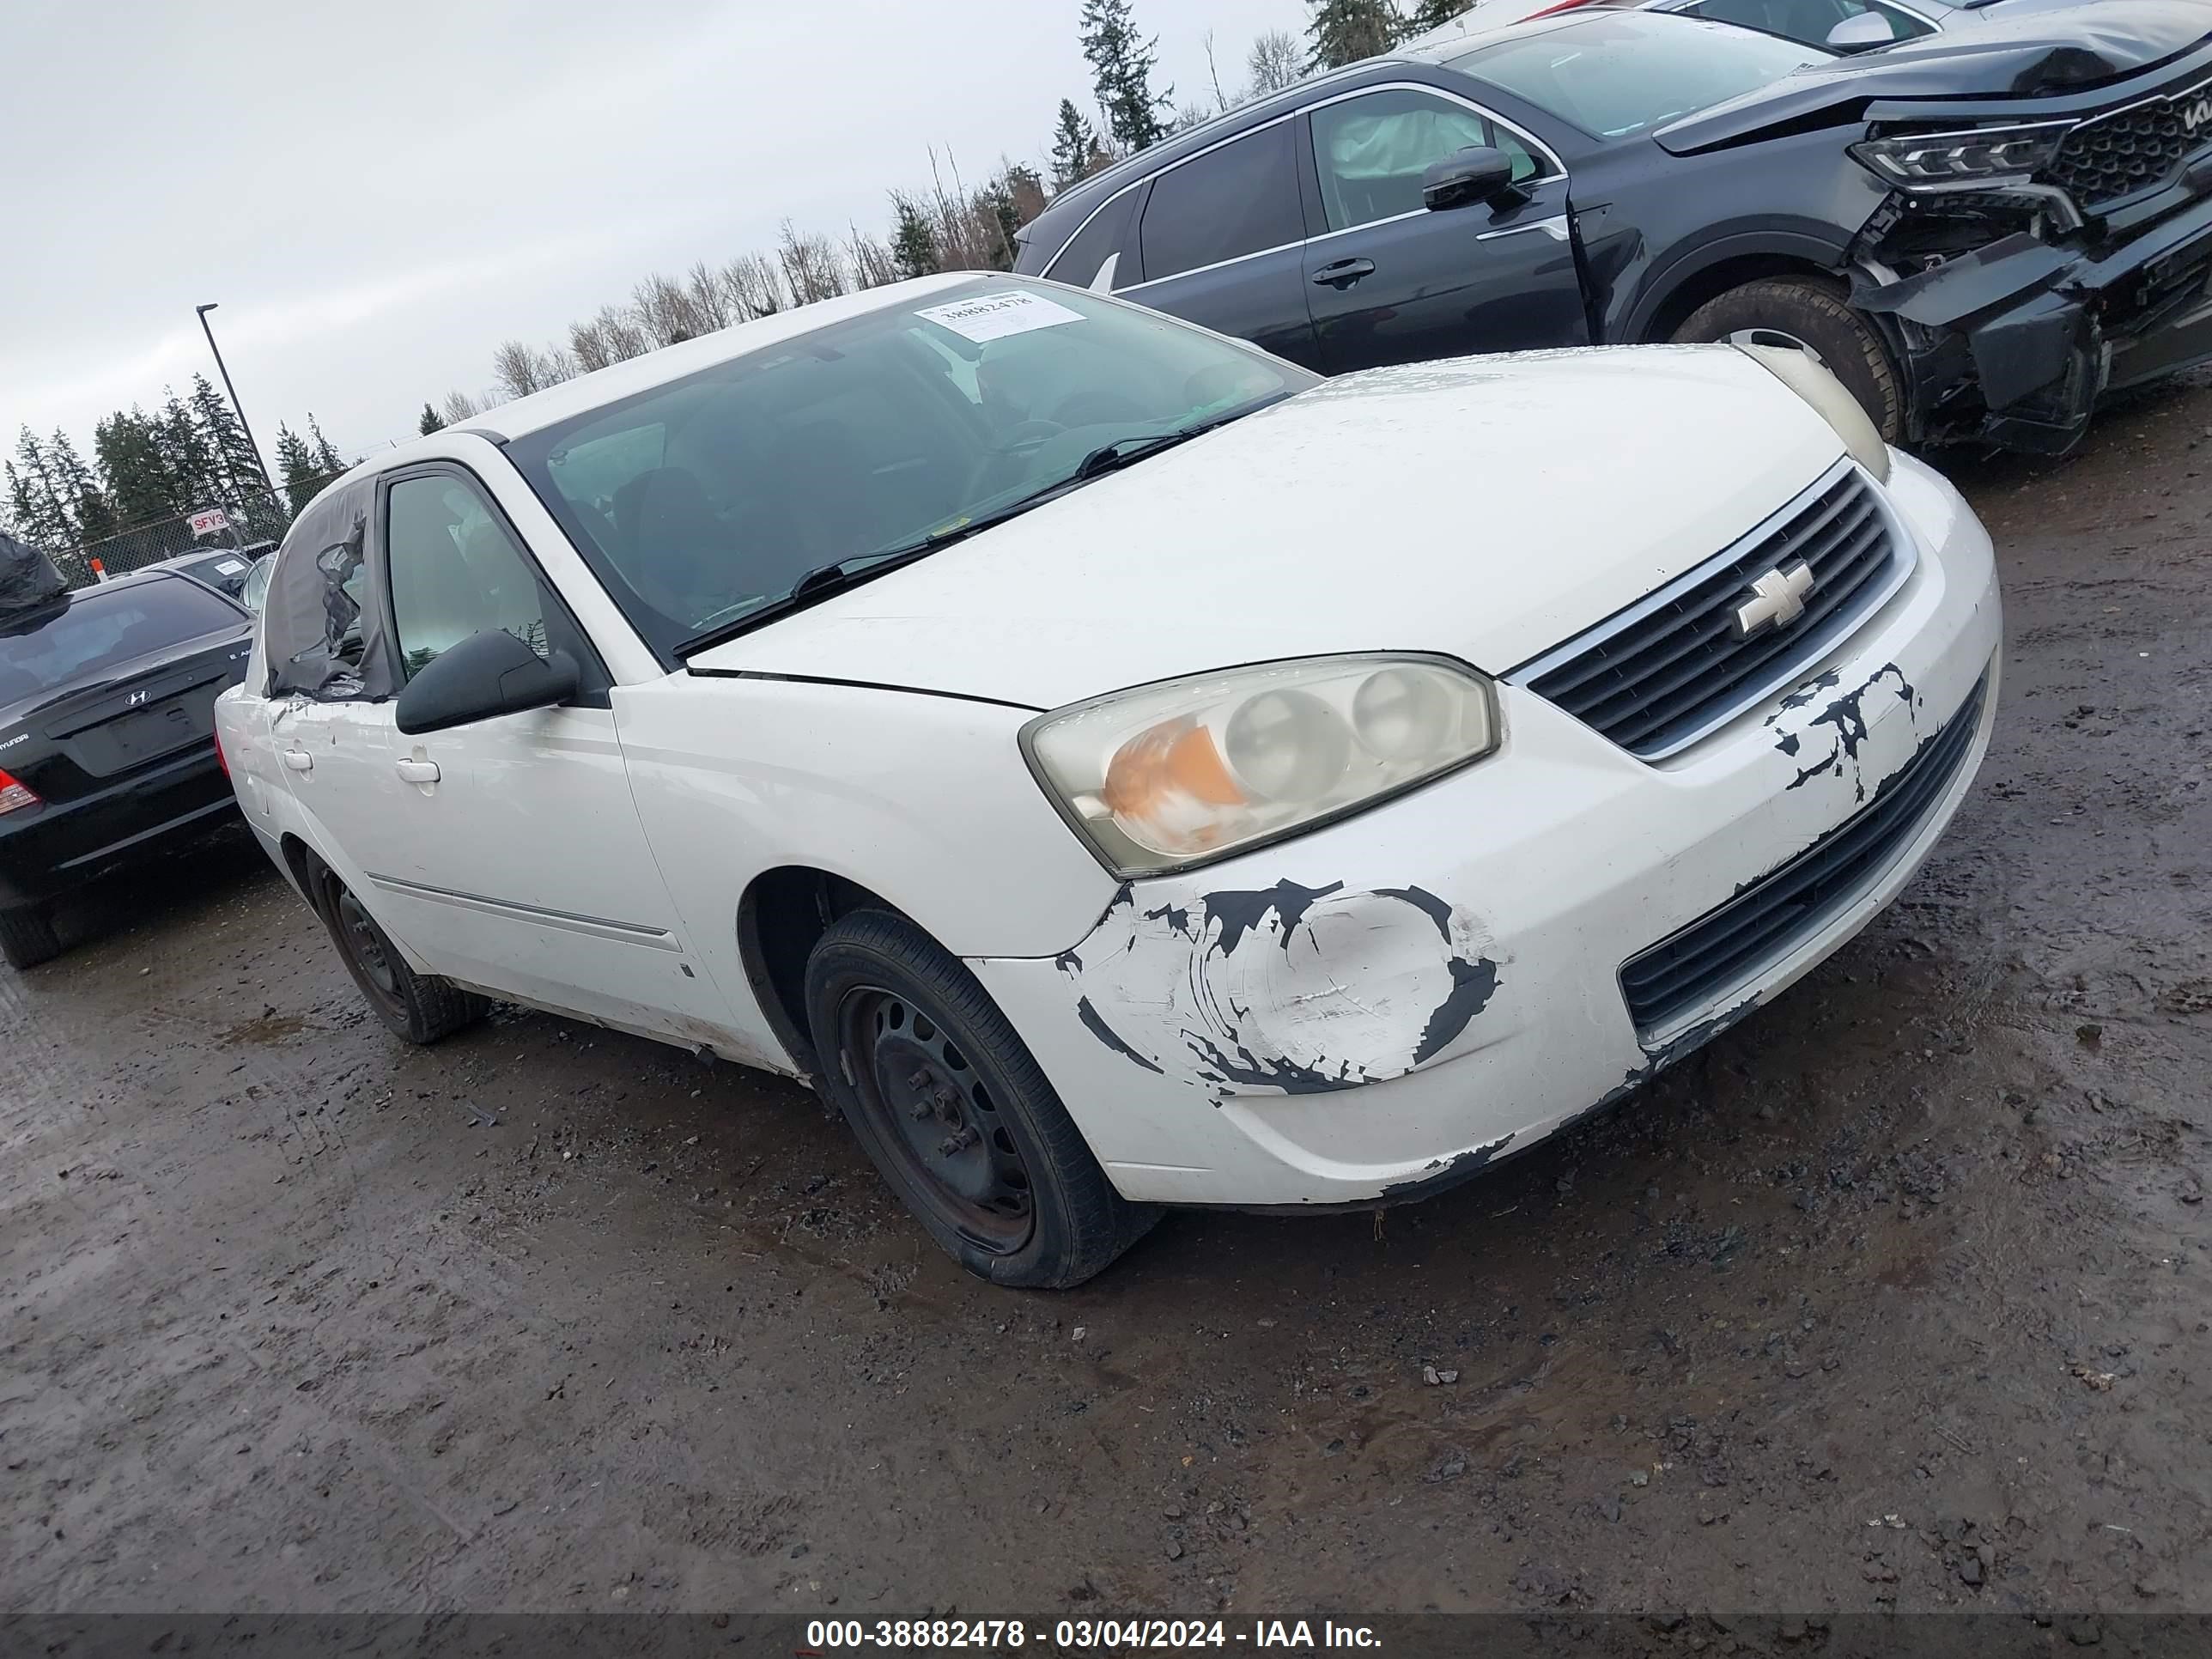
point(1979, 233)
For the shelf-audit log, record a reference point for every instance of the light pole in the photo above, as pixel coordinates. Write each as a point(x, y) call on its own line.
point(267, 483)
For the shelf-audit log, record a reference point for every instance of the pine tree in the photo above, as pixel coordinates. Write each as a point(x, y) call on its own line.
point(129, 450)
point(1433, 13)
point(1122, 65)
point(431, 421)
point(1074, 143)
point(328, 461)
point(295, 466)
point(195, 473)
point(39, 502)
point(1344, 31)
point(77, 491)
point(914, 238)
point(223, 439)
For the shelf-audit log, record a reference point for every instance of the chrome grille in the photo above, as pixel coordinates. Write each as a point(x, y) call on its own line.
point(1675, 665)
point(2110, 156)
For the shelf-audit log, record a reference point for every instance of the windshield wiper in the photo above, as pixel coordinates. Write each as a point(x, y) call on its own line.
point(1111, 457)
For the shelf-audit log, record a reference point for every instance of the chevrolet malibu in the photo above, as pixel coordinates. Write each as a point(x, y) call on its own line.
point(1115, 766)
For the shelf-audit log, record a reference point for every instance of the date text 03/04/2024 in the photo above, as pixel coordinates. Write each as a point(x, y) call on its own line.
point(825, 1636)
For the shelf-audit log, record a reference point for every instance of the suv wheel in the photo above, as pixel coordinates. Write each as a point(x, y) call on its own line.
point(420, 1007)
point(1811, 314)
point(952, 1110)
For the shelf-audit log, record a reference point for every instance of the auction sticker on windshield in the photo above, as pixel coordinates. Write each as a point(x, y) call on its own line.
point(994, 316)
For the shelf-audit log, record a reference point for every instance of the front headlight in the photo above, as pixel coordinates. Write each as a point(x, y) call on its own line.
point(1184, 771)
point(1983, 156)
point(1807, 376)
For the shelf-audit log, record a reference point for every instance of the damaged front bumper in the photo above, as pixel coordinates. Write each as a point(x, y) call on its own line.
point(2015, 343)
point(1376, 1009)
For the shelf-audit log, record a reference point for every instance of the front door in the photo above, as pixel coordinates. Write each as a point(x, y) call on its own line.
point(506, 853)
point(1389, 281)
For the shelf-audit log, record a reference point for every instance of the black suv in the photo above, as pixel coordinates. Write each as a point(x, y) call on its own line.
point(107, 751)
point(1978, 233)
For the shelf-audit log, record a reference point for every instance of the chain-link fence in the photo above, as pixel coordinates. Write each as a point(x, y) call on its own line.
point(246, 520)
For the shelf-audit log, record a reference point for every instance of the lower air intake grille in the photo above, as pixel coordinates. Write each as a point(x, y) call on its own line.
point(1769, 919)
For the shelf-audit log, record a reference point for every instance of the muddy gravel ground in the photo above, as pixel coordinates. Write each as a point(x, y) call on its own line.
point(1896, 1296)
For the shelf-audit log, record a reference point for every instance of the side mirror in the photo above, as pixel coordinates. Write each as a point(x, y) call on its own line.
point(486, 674)
point(1477, 173)
point(1864, 33)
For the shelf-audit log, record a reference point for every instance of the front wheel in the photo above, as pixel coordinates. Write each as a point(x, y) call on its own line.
point(420, 1007)
point(951, 1108)
point(1811, 315)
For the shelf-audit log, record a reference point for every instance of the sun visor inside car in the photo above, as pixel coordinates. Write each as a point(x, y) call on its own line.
point(27, 577)
point(323, 622)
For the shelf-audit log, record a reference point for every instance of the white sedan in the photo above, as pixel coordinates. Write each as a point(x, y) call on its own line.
point(1115, 766)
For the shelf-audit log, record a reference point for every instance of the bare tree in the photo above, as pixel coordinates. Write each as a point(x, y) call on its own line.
point(869, 260)
point(1188, 115)
point(1213, 74)
point(754, 283)
point(710, 302)
point(521, 369)
point(1276, 61)
point(664, 311)
point(608, 336)
point(460, 406)
point(810, 264)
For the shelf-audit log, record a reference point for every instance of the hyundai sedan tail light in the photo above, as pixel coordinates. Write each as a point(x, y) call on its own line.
point(14, 794)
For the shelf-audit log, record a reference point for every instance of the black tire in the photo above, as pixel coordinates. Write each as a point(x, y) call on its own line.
point(27, 937)
point(420, 1007)
point(913, 1050)
point(1807, 311)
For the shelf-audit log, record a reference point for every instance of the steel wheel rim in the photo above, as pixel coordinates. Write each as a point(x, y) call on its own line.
point(366, 946)
point(937, 1118)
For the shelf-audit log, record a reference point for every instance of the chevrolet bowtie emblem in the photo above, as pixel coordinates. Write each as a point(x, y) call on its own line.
point(1777, 598)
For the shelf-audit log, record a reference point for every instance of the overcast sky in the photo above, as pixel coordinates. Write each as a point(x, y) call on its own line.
point(377, 195)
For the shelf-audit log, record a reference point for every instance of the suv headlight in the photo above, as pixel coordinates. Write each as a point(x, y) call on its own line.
point(1184, 771)
point(1810, 379)
point(1983, 156)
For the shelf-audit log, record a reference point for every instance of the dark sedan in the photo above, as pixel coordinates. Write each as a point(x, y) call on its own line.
point(107, 752)
point(1979, 233)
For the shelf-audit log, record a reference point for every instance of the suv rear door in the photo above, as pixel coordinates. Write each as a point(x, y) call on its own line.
point(1390, 282)
point(1219, 239)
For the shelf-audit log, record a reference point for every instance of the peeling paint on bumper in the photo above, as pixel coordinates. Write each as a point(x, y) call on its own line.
point(1389, 1005)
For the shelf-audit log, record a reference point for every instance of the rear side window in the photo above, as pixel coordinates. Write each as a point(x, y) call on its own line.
point(1241, 198)
point(1106, 233)
point(102, 629)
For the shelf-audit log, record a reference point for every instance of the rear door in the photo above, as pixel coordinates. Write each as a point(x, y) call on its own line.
point(1389, 281)
point(1218, 238)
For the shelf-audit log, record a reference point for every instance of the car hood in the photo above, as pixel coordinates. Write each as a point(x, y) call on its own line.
point(1486, 508)
point(2034, 56)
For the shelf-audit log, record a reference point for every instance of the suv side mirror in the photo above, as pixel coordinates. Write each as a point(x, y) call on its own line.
point(1477, 173)
point(1864, 33)
point(486, 674)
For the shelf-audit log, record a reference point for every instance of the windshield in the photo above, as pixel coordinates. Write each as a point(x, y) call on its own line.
point(103, 628)
point(1624, 73)
point(708, 498)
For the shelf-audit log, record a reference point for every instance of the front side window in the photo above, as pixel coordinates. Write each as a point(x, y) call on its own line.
point(704, 501)
point(1629, 72)
point(1806, 21)
point(1371, 151)
point(1241, 198)
point(455, 571)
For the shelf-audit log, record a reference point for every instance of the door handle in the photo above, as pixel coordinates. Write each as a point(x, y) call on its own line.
point(299, 760)
point(417, 771)
point(1343, 274)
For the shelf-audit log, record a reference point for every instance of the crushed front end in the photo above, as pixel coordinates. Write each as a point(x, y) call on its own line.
point(2034, 255)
